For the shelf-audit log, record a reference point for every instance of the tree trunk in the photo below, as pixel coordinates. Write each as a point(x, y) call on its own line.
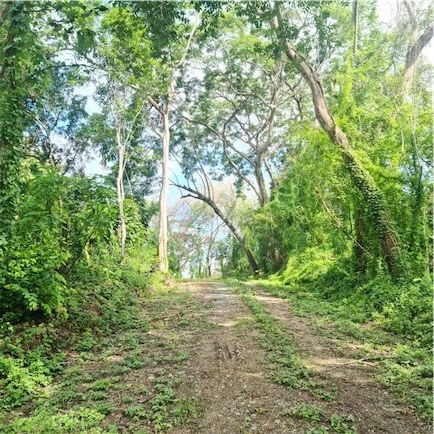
point(356, 25)
point(162, 239)
point(12, 106)
point(417, 44)
point(361, 178)
point(208, 258)
point(251, 259)
point(165, 138)
point(121, 193)
point(263, 193)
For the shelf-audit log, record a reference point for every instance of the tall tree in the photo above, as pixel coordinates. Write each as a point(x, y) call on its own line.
point(364, 182)
point(117, 132)
point(164, 106)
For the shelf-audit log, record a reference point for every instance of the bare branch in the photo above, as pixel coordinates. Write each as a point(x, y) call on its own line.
point(155, 105)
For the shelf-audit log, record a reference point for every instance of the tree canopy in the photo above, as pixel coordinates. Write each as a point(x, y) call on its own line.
point(283, 140)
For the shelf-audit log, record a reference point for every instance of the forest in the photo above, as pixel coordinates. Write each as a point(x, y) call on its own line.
point(216, 217)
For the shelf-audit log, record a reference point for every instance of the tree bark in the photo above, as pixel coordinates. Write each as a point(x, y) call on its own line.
point(163, 237)
point(121, 192)
point(361, 178)
point(251, 259)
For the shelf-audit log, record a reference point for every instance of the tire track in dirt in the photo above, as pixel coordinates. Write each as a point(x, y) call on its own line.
point(227, 372)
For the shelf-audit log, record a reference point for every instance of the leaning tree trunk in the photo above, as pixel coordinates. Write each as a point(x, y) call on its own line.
point(250, 258)
point(361, 178)
point(162, 239)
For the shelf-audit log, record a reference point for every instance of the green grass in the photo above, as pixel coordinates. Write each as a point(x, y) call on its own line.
point(405, 368)
point(286, 366)
point(101, 376)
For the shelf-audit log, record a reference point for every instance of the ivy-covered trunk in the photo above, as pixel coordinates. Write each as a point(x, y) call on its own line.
point(376, 205)
point(361, 233)
point(12, 114)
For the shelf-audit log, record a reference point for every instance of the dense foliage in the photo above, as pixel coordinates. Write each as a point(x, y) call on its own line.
point(298, 131)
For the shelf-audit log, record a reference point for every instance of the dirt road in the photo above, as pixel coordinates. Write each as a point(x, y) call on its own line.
point(208, 358)
point(228, 372)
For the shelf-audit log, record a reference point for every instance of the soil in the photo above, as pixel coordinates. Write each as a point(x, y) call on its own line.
point(227, 373)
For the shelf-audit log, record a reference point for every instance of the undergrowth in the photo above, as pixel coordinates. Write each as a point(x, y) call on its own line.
point(403, 308)
point(406, 364)
point(102, 298)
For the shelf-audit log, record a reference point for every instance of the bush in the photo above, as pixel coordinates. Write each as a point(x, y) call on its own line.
point(58, 218)
point(20, 380)
point(409, 312)
point(307, 266)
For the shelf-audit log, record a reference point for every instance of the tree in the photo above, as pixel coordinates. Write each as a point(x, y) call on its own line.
point(118, 130)
point(418, 41)
point(199, 186)
point(164, 109)
point(241, 108)
point(57, 120)
point(362, 179)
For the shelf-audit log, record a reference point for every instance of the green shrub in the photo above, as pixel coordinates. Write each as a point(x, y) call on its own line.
point(404, 308)
point(409, 312)
point(134, 280)
point(20, 381)
point(307, 266)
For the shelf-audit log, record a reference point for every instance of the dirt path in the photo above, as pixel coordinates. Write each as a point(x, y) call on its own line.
point(358, 393)
point(207, 359)
point(227, 372)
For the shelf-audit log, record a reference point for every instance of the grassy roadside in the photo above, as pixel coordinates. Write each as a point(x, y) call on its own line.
point(404, 367)
point(115, 373)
